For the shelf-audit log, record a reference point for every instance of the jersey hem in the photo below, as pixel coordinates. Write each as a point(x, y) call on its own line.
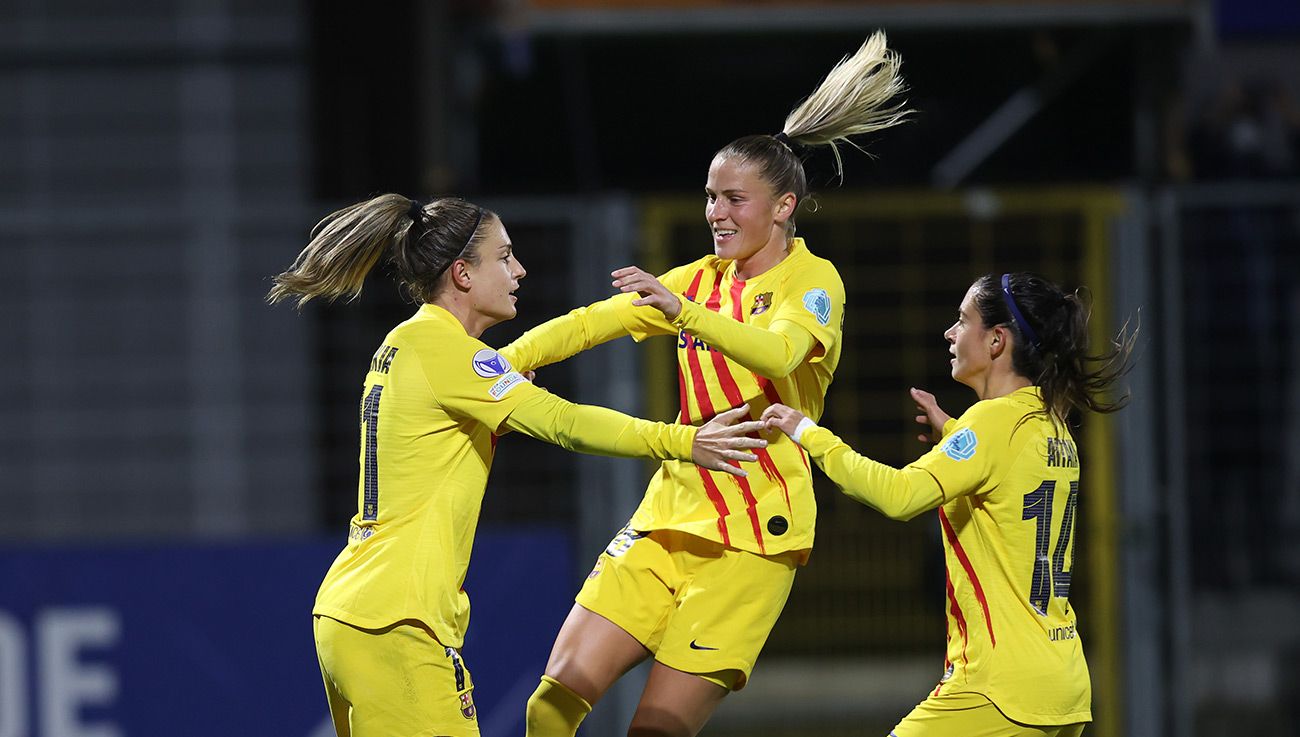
point(802, 552)
point(379, 623)
point(1024, 717)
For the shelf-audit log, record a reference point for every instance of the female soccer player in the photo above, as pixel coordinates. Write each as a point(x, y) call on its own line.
point(701, 572)
point(391, 615)
point(1005, 479)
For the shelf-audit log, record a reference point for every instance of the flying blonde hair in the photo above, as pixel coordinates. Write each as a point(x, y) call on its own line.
point(419, 240)
point(854, 99)
point(851, 100)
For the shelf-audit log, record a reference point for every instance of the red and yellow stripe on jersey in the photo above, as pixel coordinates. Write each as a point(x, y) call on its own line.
point(1006, 481)
point(772, 338)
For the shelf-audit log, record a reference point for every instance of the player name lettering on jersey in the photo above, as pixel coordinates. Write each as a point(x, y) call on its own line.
point(1057, 634)
point(1062, 453)
point(383, 359)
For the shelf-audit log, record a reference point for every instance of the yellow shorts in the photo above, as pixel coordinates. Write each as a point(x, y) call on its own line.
point(699, 606)
point(393, 682)
point(971, 715)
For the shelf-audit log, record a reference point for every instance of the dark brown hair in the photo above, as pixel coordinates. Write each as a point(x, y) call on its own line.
point(1056, 358)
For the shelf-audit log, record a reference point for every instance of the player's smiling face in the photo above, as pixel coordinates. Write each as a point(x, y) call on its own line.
point(968, 342)
point(496, 276)
point(743, 213)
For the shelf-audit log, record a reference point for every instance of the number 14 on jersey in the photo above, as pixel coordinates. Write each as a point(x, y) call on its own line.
point(1050, 577)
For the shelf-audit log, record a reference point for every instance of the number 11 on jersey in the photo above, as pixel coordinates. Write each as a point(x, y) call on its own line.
point(369, 434)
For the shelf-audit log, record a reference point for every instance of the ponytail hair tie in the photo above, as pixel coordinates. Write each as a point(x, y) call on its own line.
point(784, 140)
point(416, 211)
point(1021, 322)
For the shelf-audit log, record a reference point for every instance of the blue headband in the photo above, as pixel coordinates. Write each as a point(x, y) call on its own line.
point(1021, 322)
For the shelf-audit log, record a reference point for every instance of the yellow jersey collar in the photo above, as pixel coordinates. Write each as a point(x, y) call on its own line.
point(797, 249)
point(439, 314)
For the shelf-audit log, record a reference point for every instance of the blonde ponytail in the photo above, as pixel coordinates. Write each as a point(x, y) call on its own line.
point(344, 247)
point(852, 100)
point(421, 241)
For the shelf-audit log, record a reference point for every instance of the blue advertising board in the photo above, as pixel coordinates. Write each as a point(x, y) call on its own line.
point(215, 639)
point(1256, 18)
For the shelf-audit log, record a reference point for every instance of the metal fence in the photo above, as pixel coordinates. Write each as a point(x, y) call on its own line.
point(1229, 440)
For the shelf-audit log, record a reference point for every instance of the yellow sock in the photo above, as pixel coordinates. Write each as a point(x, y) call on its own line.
point(554, 710)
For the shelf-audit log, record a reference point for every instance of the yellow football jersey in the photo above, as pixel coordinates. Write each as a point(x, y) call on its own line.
point(734, 346)
point(432, 399)
point(1006, 481)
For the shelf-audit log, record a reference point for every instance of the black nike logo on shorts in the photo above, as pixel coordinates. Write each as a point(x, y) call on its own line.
point(694, 646)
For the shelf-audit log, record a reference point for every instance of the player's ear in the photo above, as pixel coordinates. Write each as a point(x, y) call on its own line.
point(999, 341)
point(459, 271)
point(785, 207)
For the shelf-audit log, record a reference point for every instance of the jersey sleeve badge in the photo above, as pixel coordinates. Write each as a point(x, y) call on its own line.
point(961, 446)
point(818, 302)
point(490, 364)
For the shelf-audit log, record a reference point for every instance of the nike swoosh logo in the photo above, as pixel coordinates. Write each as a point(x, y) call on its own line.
point(694, 646)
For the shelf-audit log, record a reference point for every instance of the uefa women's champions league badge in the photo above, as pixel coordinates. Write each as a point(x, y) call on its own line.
point(490, 364)
point(818, 302)
point(961, 446)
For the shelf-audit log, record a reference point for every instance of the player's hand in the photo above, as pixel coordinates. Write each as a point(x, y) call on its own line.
point(652, 291)
point(721, 443)
point(931, 415)
point(531, 376)
point(781, 417)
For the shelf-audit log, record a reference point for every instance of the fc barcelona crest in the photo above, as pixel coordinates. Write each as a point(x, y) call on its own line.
point(761, 303)
point(467, 704)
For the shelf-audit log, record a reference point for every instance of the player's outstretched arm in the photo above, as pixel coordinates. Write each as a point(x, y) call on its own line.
point(719, 445)
point(897, 494)
point(565, 336)
point(774, 352)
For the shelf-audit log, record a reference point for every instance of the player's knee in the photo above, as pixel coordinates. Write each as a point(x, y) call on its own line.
point(554, 710)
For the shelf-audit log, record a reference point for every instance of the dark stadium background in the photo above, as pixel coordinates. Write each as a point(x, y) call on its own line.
point(178, 460)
